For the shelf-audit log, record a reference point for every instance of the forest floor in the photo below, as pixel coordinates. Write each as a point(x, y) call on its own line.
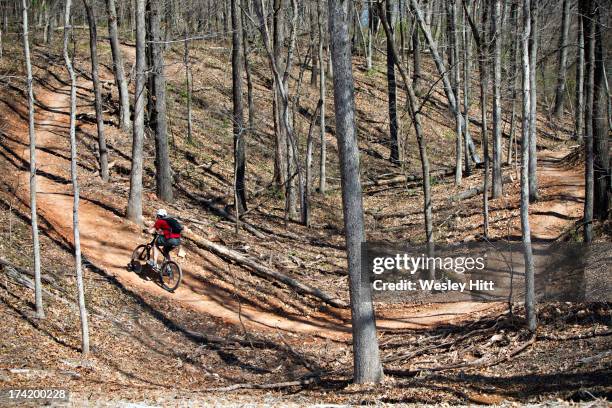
point(224, 326)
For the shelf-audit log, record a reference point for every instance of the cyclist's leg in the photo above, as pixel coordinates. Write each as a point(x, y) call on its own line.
point(159, 242)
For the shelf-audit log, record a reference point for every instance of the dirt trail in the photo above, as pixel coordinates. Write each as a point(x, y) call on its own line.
point(107, 240)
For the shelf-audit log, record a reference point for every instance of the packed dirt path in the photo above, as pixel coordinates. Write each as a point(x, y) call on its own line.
point(107, 240)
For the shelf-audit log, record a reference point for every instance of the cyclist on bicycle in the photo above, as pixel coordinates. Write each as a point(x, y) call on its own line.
point(168, 235)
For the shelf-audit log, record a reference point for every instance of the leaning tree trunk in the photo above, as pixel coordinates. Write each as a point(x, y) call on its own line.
point(533, 59)
point(366, 357)
point(134, 208)
point(75, 185)
point(93, 47)
point(453, 39)
point(238, 116)
point(525, 229)
point(122, 85)
point(40, 313)
point(497, 118)
point(562, 64)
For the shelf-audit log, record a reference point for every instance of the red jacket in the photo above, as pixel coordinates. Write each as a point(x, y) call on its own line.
point(163, 225)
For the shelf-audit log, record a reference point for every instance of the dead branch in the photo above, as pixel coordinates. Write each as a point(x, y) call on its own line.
point(261, 270)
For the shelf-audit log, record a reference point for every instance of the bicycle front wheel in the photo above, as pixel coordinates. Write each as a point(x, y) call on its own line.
point(170, 275)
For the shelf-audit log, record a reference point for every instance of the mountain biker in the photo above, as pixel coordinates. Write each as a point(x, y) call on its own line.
point(169, 235)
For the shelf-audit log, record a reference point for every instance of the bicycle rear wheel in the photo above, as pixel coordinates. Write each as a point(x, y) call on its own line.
point(141, 254)
point(170, 275)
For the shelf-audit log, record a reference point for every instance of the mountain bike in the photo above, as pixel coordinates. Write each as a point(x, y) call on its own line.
point(170, 273)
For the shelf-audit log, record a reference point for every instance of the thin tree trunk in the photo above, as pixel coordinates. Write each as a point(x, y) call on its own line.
point(601, 157)
point(93, 41)
point(122, 86)
point(466, 93)
point(247, 69)
point(515, 55)
point(450, 95)
point(416, 58)
point(525, 228)
point(455, 80)
point(158, 120)
point(533, 153)
point(75, 185)
point(579, 105)
point(562, 64)
point(366, 357)
point(391, 91)
point(497, 118)
point(238, 116)
point(314, 16)
point(307, 188)
point(322, 97)
point(134, 208)
point(421, 141)
point(483, 60)
point(189, 86)
point(40, 313)
point(587, 13)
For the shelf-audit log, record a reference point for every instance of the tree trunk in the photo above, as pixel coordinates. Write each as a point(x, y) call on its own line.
point(533, 62)
point(515, 55)
point(579, 105)
point(562, 64)
point(587, 14)
point(134, 208)
point(40, 313)
point(525, 229)
point(93, 41)
point(314, 12)
point(247, 70)
point(75, 185)
point(450, 95)
point(366, 358)
point(122, 86)
point(483, 61)
point(466, 93)
point(416, 55)
point(280, 163)
point(157, 95)
point(307, 188)
point(421, 141)
point(601, 156)
point(238, 120)
point(189, 86)
point(392, 90)
point(497, 118)
point(453, 39)
point(322, 97)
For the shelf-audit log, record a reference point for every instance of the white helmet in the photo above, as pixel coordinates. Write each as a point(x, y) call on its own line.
point(161, 213)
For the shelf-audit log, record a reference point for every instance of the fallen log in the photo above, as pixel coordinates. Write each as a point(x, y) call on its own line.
point(261, 270)
point(222, 213)
point(43, 277)
point(406, 178)
point(469, 193)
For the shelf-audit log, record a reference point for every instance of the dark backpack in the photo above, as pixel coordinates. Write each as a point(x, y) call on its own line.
point(175, 226)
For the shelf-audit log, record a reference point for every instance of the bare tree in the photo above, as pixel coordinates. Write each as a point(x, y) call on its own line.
point(322, 97)
point(122, 86)
point(93, 47)
point(527, 118)
point(75, 184)
point(157, 101)
point(453, 52)
point(391, 91)
point(497, 117)
point(587, 14)
point(533, 59)
point(238, 119)
point(40, 313)
point(134, 208)
point(189, 86)
point(562, 64)
point(366, 357)
point(601, 157)
point(579, 103)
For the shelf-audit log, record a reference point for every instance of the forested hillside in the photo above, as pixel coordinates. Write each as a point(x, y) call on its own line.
point(292, 140)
